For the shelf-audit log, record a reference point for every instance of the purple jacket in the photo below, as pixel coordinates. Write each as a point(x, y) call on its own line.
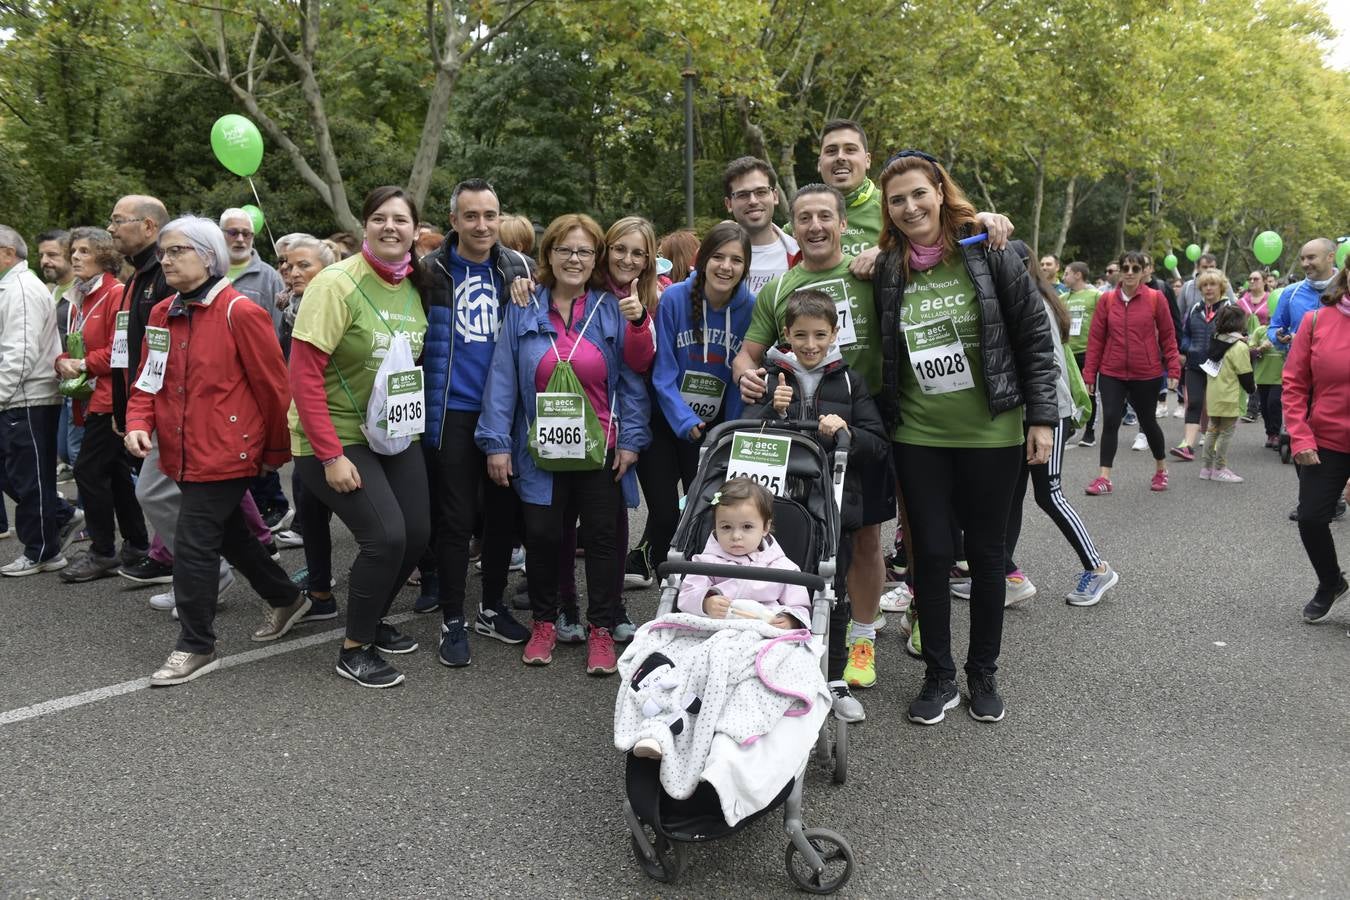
point(789, 598)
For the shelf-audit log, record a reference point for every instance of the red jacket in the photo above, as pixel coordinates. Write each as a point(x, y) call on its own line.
point(1130, 340)
point(1316, 394)
point(221, 412)
point(99, 312)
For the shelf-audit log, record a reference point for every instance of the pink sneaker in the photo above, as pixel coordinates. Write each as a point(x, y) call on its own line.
point(539, 648)
point(600, 658)
point(1205, 474)
point(1226, 474)
point(1100, 485)
point(1159, 482)
point(1183, 452)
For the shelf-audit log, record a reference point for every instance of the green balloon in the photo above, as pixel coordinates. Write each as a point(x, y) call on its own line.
point(1267, 247)
point(1342, 251)
point(255, 216)
point(1193, 252)
point(1170, 262)
point(1275, 273)
point(237, 144)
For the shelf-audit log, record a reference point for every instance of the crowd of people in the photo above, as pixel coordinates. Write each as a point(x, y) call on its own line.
point(498, 396)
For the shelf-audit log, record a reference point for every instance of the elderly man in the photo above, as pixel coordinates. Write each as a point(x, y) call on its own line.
point(251, 276)
point(30, 407)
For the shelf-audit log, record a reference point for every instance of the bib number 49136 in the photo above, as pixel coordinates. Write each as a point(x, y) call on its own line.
point(405, 410)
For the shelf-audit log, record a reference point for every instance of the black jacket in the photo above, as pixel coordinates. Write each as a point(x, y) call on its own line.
point(1015, 343)
point(843, 393)
point(144, 289)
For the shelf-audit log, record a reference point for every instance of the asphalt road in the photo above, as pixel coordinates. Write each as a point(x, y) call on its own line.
point(1186, 738)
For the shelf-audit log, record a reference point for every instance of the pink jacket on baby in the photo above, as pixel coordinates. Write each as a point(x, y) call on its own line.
point(789, 598)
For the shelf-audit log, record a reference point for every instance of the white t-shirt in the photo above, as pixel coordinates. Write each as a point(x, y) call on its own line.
point(769, 260)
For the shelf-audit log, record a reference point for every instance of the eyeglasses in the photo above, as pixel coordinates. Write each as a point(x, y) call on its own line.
point(581, 253)
point(173, 252)
point(759, 193)
point(1131, 268)
point(238, 233)
point(632, 252)
point(118, 221)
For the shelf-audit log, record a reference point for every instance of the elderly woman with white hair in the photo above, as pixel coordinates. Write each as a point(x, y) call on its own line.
point(206, 349)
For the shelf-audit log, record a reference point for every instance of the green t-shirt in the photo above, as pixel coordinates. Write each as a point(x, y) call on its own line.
point(1082, 304)
point(1223, 396)
point(1268, 368)
point(862, 211)
point(351, 314)
point(236, 270)
point(863, 353)
point(940, 306)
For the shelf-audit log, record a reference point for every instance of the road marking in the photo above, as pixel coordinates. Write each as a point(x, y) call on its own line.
point(61, 704)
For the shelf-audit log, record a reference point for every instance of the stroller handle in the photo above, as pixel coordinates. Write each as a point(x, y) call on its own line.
point(842, 438)
point(719, 570)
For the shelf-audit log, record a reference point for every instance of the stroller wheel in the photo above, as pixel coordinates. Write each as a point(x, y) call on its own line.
point(836, 858)
point(667, 859)
point(840, 773)
point(1286, 452)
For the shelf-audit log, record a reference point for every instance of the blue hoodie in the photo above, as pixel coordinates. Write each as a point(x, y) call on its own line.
point(1295, 302)
point(678, 351)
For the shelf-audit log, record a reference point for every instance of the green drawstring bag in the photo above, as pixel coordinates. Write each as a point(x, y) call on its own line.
point(81, 387)
point(1082, 400)
point(566, 435)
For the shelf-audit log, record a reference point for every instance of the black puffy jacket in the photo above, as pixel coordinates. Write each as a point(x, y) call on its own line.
point(1015, 344)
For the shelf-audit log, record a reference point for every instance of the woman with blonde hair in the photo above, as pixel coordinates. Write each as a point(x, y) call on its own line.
point(517, 232)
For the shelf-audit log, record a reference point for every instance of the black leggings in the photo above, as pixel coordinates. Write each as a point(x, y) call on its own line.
point(390, 517)
point(1143, 396)
point(312, 520)
point(1272, 409)
point(1050, 498)
point(666, 464)
point(1196, 383)
point(976, 483)
point(1091, 426)
point(1320, 489)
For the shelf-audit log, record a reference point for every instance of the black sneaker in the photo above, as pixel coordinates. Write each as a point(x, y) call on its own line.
point(389, 639)
point(1340, 510)
point(930, 707)
point(637, 569)
point(367, 668)
point(500, 624)
point(1089, 439)
point(1319, 607)
point(147, 571)
point(278, 517)
point(89, 566)
point(454, 649)
point(429, 598)
point(985, 703)
point(319, 610)
point(132, 556)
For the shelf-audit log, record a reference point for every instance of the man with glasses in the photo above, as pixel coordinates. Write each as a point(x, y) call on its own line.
point(251, 276)
point(468, 277)
point(1190, 294)
point(260, 283)
point(751, 189)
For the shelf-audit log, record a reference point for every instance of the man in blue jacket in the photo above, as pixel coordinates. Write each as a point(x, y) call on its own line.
point(1318, 261)
point(469, 277)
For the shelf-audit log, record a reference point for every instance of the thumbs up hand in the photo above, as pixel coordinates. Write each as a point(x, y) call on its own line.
point(782, 395)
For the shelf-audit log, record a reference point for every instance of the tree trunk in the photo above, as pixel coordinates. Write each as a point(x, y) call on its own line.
point(787, 174)
point(433, 130)
point(1124, 216)
point(1037, 201)
point(1068, 218)
point(989, 205)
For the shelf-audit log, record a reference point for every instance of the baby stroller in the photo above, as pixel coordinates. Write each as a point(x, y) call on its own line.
point(806, 524)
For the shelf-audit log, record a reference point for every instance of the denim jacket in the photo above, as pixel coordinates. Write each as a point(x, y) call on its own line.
point(508, 399)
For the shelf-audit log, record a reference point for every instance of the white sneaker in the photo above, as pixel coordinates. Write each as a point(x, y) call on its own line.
point(25, 566)
point(1140, 442)
point(1017, 589)
point(163, 601)
point(166, 601)
point(1179, 412)
point(846, 706)
point(897, 599)
point(287, 538)
point(7, 533)
point(1162, 410)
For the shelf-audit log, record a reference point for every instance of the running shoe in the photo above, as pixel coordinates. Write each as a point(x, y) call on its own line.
point(1183, 452)
point(24, 566)
point(600, 657)
point(429, 597)
point(89, 566)
point(1018, 589)
point(914, 644)
point(287, 539)
point(1089, 439)
point(1092, 586)
point(388, 639)
point(1100, 485)
point(454, 649)
point(500, 624)
point(897, 599)
point(1319, 607)
point(1179, 412)
point(637, 569)
point(1206, 473)
point(960, 589)
point(569, 628)
point(68, 533)
point(846, 706)
point(1226, 475)
point(278, 518)
point(936, 697)
point(625, 629)
point(1159, 481)
point(1140, 442)
point(539, 650)
point(367, 667)
point(985, 703)
point(861, 671)
point(147, 571)
point(1130, 419)
point(319, 610)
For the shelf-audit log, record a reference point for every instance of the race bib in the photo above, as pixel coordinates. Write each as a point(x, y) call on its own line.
point(1211, 367)
point(560, 426)
point(847, 334)
point(703, 393)
point(157, 345)
point(762, 458)
point(405, 412)
point(1075, 323)
point(119, 343)
point(938, 358)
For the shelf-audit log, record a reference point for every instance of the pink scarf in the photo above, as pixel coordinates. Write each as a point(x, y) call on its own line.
point(394, 272)
point(925, 256)
point(1344, 305)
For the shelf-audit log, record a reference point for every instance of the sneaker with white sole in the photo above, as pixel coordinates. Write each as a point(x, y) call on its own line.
point(500, 624)
point(569, 629)
point(68, 532)
point(1226, 475)
point(280, 619)
point(24, 566)
point(1092, 586)
point(1017, 589)
point(1140, 442)
point(287, 538)
point(846, 707)
point(182, 666)
point(897, 599)
point(165, 601)
point(935, 698)
point(985, 703)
